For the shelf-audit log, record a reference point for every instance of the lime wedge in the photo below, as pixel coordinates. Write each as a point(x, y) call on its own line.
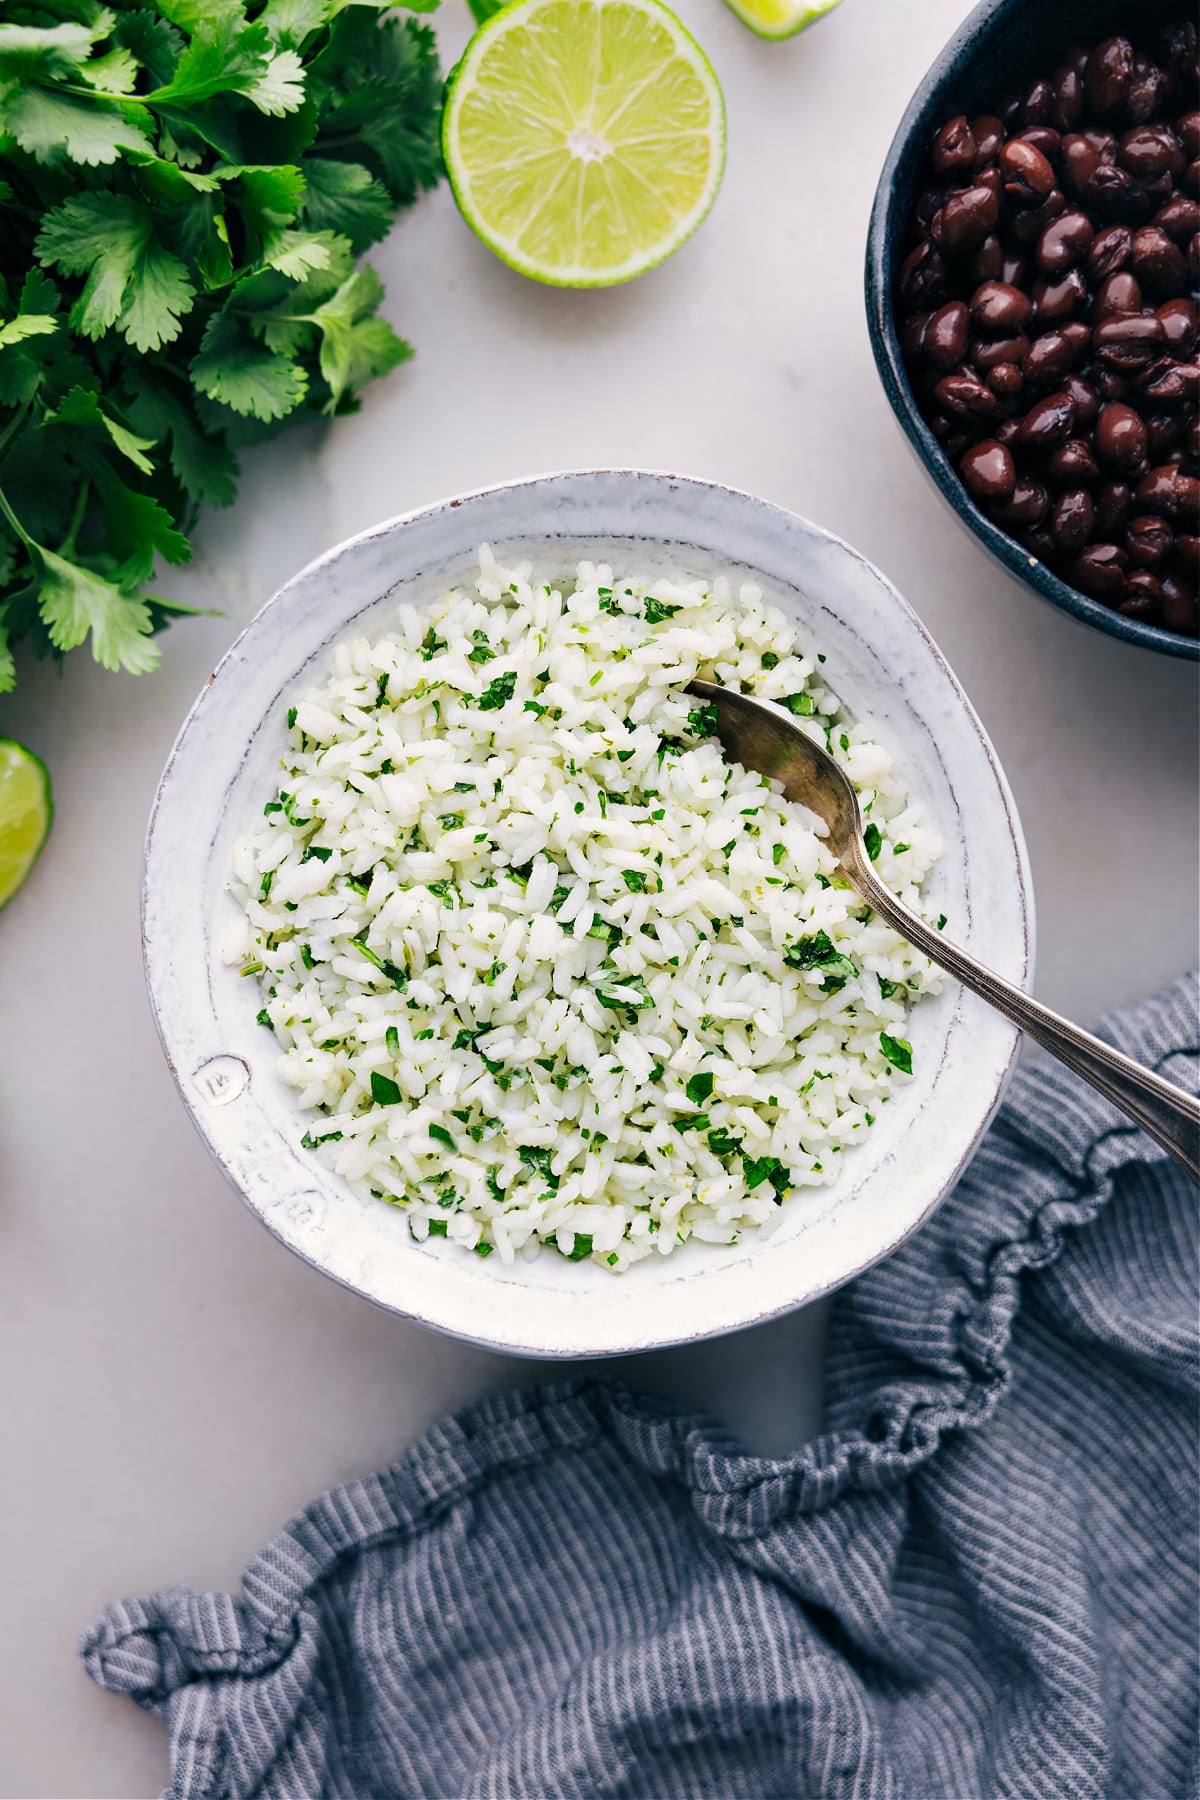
point(25, 814)
point(779, 18)
point(584, 139)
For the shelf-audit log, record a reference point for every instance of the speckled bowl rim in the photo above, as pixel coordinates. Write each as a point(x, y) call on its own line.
point(513, 1338)
point(911, 139)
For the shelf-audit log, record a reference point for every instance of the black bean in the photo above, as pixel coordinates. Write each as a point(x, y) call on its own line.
point(988, 132)
point(1043, 138)
point(1006, 380)
point(1028, 176)
point(1114, 193)
point(1063, 243)
point(1106, 82)
point(998, 309)
point(1027, 505)
point(1072, 520)
point(1119, 293)
point(1165, 431)
point(966, 219)
point(1120, 435)
point(1158, 263)
point(1072, 464)
point(1014, 267)
point(922, 276)
point(1054, 301)
point(1110, 250)
point(1151, 150)
point(1047, 422)
point(1028, 226)
point(988, 471)
point(1128, 341)
point(1179, 217)
point(986, 263)
point(1166, 382)
point(1085, 397)
point(1147, 541)
point(1103, 142)
point(1148, 91)
point(954, 148)
point(1112, 386)
point(1143, 598)
point(945, 338)
point(1079, 336)
point(1179, 605)
point(966, 396)
point(912, 335)
point(1080, 160)
point(1048, 359)
point(1112, 508)
point(987, 353)
point(1167, 490)
point(1175, 47)
point(1068, 90)
point(1037, 108)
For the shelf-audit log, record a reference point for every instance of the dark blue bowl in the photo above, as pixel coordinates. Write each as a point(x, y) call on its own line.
point(998, 50)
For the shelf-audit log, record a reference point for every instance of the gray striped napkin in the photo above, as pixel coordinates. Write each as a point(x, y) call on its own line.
point(981, 1581)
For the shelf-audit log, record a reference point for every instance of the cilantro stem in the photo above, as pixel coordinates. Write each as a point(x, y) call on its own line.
point(14, 425)
point(16, 524)
point(91, 93)
point(67, 546)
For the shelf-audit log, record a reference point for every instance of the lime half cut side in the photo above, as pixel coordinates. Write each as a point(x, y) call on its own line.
point(584, 139)
point(780, 18)
point(26, 813)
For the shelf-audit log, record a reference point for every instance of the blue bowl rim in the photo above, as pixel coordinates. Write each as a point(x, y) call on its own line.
point(885, 345)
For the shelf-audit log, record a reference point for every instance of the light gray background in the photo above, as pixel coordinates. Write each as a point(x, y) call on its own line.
point(175, 1384)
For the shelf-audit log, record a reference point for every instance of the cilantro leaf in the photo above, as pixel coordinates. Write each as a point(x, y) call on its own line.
point(203, 465)
point(132, 281)
point(346, 198)
point(43, 52)
point(31, 325)
point(53, 127)
point(498, 692)
point(75, 601)
point(232, 368)
point(897, 1051)
point(699, 1088)
point(355, 346)
point(228, 56)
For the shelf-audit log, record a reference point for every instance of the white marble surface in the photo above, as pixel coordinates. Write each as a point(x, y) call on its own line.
point(174, 1383)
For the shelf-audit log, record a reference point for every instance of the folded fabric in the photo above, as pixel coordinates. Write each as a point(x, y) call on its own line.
point(981, 1581)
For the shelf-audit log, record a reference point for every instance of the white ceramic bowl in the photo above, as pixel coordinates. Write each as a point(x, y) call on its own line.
point(882, 664)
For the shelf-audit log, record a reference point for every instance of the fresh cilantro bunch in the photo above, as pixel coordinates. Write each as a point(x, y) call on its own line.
point(185, 189)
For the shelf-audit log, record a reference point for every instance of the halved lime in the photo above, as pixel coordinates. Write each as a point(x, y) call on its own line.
point(585, 139)
point(780, 18)
point(26, 812)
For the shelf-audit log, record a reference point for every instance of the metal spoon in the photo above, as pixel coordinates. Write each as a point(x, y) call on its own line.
point(761, 737)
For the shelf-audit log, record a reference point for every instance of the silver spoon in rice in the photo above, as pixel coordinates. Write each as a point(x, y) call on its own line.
point(762, 737)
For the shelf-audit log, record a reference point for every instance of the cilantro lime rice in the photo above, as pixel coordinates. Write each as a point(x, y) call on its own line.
point(544, 968)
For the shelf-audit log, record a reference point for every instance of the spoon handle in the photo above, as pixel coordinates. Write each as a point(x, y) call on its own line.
point(1169, 1114)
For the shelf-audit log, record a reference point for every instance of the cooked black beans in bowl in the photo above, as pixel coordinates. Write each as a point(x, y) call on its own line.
point(1048, 314)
